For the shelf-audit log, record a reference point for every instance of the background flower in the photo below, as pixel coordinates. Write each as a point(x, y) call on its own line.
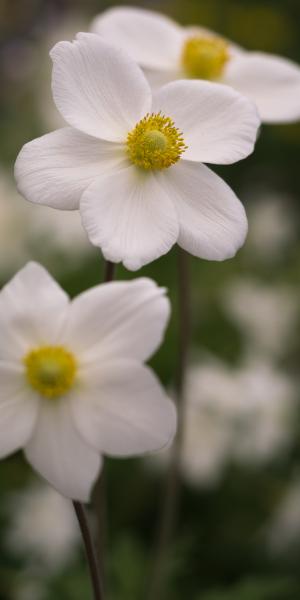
point(167, 51)
point(43, 528)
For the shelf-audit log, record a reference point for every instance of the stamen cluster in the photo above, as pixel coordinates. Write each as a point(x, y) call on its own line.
point(50, 370)
point(205, 57)
point(155, 142)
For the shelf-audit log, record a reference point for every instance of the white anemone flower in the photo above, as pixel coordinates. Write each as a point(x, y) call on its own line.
point(132, 162)
point(73, 386)
point(168, 51)
point(267, 314)
point(43, 528)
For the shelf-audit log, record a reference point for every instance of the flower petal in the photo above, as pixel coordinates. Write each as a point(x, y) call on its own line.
point(218, 124)
point(56, 168)
point(32, 309)
point(118, 319)
point(273, 83)
point(151, 39)
point(97, 88)
point(18, 409)
point(60, 455)
point(131, 217)
point(213, 223)
point(125, 410)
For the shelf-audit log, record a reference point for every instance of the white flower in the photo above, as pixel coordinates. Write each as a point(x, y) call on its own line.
point(272, 225)
point(265, 422)
point(73, 385)
point(43, 527)
point(267, 314)
point(132, 162)
point(167, 51)
point(241, 415)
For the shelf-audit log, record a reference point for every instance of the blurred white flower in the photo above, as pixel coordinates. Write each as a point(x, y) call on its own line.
point(272, 225)
point(13, 227)
point(133, 163)
point(265, 420)
point(210, 393)
point(27, 230)
point(243, 415)
point(266, 314)
point(284, 530)
point(63, 29)
point(29, 587)
point(73, 385)
point(167, 51)
point(43, 528)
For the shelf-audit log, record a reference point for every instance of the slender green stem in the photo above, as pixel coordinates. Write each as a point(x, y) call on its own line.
point(89, 550)
point(109, 271)
point(172, 490)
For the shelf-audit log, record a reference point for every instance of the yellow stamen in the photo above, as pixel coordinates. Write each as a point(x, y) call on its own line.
point(155, 142)
point(205, 57)
point(50, 370)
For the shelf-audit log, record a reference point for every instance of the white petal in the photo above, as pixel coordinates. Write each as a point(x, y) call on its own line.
point(98, 88)
point(32, 310)
point(118, 319)
point(56, 168)
point(18, 409)
point(130, 216)
point(59, 453)
point(213, 223)
point(151, 39)
point(218, 124)
point(124, 411)
point(273, 83)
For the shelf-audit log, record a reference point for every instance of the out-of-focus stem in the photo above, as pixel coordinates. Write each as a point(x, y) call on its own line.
point(172, 490)
point(89, 550)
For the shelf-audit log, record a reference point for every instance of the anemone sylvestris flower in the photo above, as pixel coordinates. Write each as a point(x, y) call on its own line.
point(167, 51)
point(73, 386)
point(132, 162)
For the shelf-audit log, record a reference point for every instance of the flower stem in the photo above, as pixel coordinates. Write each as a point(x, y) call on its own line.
point(172, 490)
point(90, 550)
point(109, 271)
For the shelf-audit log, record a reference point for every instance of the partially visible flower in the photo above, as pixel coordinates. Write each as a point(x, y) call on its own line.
point(13, 227)
point(267, 314)
point(283, 532)
point(43, 528)
point(132, 163)
point(29, 587)
point(167, 51)
point(63, 28)
point(272, 225)
point(73, 386)
point(265, 419)
point(242, 415)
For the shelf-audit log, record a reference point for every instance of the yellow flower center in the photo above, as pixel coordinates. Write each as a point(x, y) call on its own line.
point(155, 142)
point(50, 370)
point(205, 57)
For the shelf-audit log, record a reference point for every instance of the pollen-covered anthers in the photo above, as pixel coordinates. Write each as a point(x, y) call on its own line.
point(50, 370)
point(155, 142)
point(205, 57)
